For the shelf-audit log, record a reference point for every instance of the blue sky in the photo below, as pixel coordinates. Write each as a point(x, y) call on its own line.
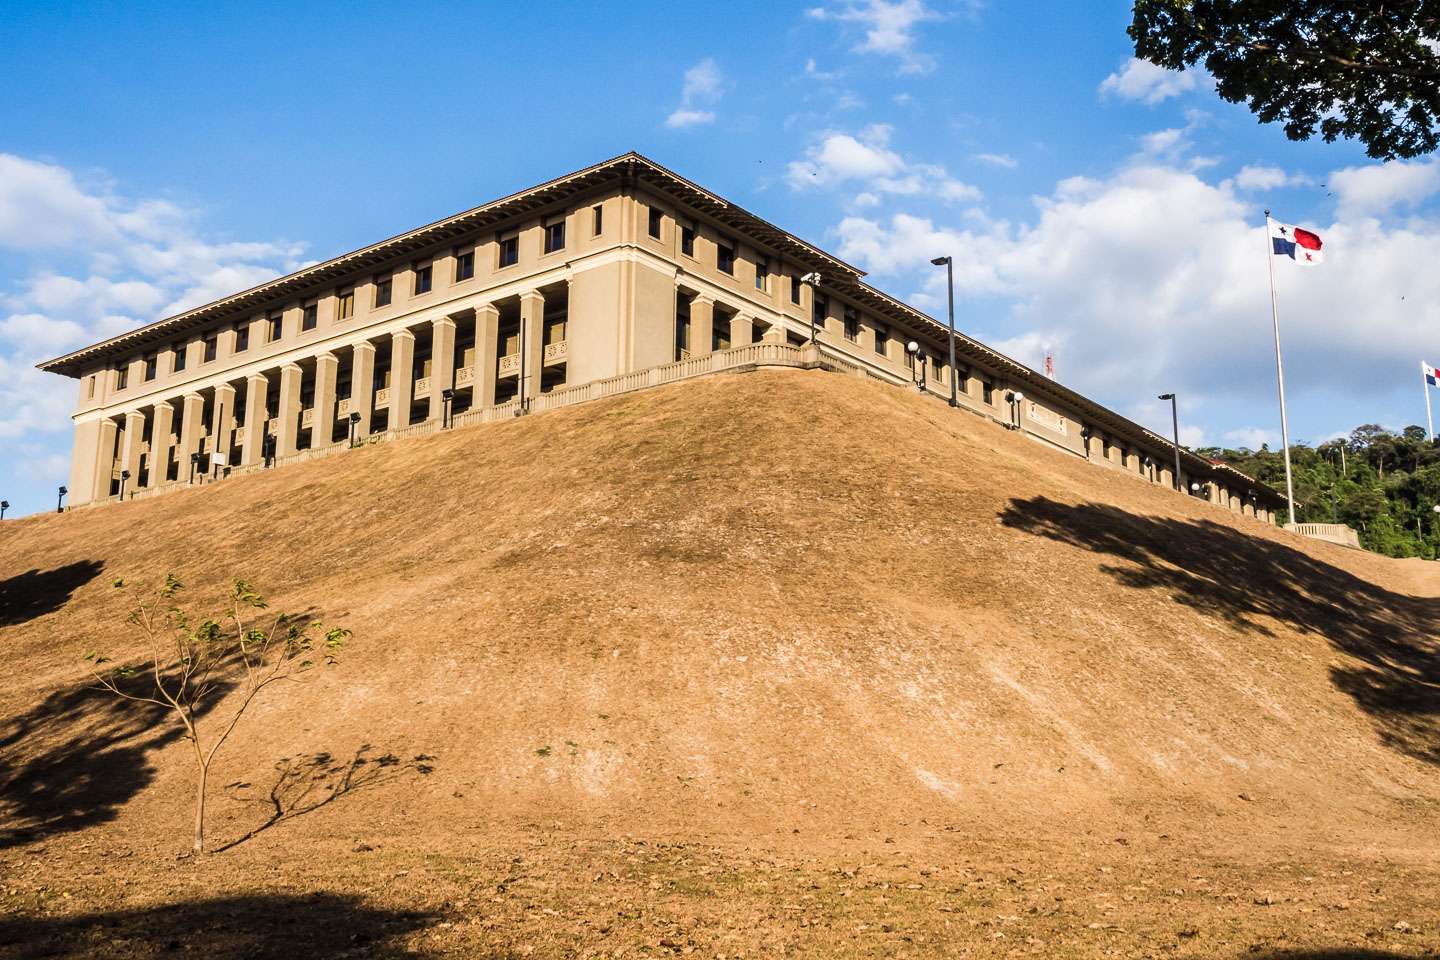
point(163, 156)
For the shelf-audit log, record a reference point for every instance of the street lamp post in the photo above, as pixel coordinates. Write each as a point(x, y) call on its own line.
point(1174, 422)
point(446, 398)
point(812, 280)
point(950, 285)
point(1015, 398)
point(4, 505)
point(59, 504)
point(124, 475)
point(354, 425)
point(194, 465)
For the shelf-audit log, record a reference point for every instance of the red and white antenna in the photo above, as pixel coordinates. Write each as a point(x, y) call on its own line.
point(1049, 365)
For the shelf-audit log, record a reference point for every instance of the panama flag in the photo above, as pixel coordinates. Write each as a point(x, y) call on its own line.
point(1430, 374)
point(1299, 245)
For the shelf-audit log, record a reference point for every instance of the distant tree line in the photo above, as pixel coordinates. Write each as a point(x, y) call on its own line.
point(1384, 484)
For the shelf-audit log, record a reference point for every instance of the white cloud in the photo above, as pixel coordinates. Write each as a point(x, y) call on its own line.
point(90, 264)
point(1153, 279)
point(889, 29)
point(998, 160)
point(688, 118)
point(1261, 178)
point(1144, 81)
point(704, 85)
point(1375, 189)
point(1252, 437)
point(840, 157)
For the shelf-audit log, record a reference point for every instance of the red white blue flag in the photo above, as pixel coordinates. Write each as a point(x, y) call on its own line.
point(1298, 244)
point(1431, 374)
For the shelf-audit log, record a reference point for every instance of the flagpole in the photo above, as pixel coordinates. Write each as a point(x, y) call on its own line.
point(1425, 385)
point(1280, 370)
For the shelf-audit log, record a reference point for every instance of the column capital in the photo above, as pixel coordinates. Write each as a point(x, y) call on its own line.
point(253, 377)
point(702, 299)
point(194, 396)
point(363, 345)
point(291, 367)
point(533, 295)
point(403, 335)
point(487, 308)
point(136, 414)
point(441, 321)
point(326, 357)
point(225, 386)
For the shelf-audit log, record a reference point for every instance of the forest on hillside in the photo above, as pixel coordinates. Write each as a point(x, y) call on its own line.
point(1383, 484)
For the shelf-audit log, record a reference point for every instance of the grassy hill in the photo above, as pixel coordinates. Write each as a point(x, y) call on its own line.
point(785, 610)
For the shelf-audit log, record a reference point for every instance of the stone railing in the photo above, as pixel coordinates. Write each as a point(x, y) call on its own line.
point(464, 375)
point(1330, 532)
point(509, 365)
point(555, 352)
point(422, 387)
point(343, 408)
point(382, 397)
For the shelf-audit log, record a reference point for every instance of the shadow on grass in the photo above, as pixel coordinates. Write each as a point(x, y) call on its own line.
point(74, 759)
point(34, 594)
point(306, 783)
point(228, 928)
point(1333, 953)
point(1247, 581)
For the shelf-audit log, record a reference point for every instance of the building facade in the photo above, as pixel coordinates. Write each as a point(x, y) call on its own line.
point(586, 280)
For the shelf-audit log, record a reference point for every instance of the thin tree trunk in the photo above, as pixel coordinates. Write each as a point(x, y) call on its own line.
point(200, 811)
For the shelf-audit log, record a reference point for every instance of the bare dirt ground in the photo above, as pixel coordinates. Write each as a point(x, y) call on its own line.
point(782, 662)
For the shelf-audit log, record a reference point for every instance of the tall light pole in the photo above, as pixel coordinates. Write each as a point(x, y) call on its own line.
point(60, 503)
point(950, 284)
point(1175, 422)
point(124, 476)
point(812, 280)
point(4, 505)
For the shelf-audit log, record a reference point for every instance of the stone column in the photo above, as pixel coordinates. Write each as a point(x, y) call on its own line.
point(402, 376)
point(322, 426)
point(288, 433)
point(192, 430)
point(222, 423)
point(532, 341)
point(160, 443)
point(252, 436)
point(362, 386)
point(702, 325)
point(442, 363)
point(130, 447)
point(104, 460)
point(742, 329)
point(487, 343)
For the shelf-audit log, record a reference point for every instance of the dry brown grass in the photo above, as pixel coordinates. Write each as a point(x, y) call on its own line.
point(782, 623)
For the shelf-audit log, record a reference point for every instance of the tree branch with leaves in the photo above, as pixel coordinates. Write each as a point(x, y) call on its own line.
point(1362, 69)
point(234, 656)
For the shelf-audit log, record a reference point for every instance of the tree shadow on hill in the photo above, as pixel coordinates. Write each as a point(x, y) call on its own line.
point(1324, 953)
point(320, 925)
point(1246, 580)
point(75, 758)
point(306, 783)
point(34, 594)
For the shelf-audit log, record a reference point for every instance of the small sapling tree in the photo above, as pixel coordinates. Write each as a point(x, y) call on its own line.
point(190, 667)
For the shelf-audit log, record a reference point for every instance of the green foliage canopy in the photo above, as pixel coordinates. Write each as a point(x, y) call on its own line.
point(1362, 69)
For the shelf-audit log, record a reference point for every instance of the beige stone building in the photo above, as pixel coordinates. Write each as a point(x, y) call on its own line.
point(617, 277)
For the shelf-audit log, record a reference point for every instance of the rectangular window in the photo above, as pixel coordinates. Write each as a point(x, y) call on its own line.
point(122, 378)
point(882, 340)
point(422, 278)
point(177, 357)
point(724, 256)
point(152, 365)
point(92, 388)
point(509, 248)
point(242, 337)
point(819, 311)
point(465, 266)
point(987, 391)
point(762, 272)
point(655, 217)
point(212, 347)
point(382, 291)
point(555, 236)
point(309, 316)
point(599, 212)
point(345, 303)
point(274, 327)
point(794, 289)
point(852, 324)
point(687, 241)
